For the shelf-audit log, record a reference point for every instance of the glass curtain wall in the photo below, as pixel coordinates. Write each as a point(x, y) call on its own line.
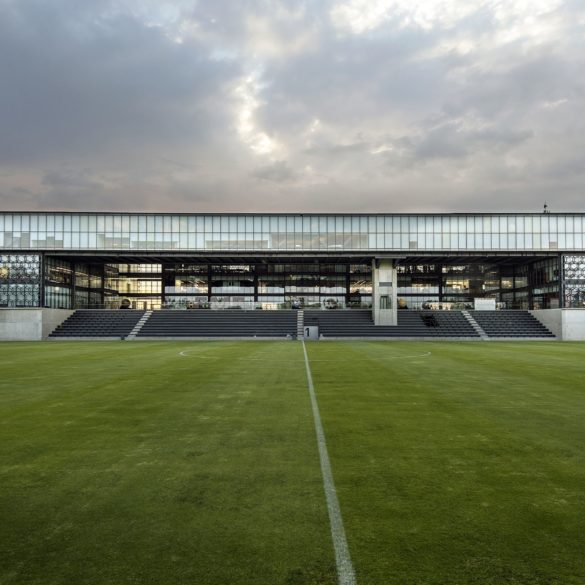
point(442, 286)
point(268, 285)
point(88, 289)
point(455, 286)
point(59, 278)
point(535, 286)
point(136, 286)
point(318, 283)
point(73, 285)
point(49, 231)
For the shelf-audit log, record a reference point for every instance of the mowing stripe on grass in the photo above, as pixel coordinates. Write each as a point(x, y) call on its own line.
point(345, 571)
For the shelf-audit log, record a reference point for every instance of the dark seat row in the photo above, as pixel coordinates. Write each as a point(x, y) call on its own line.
point(98, 323)
point(359, 323)
point(225, 323)
point(510, 324)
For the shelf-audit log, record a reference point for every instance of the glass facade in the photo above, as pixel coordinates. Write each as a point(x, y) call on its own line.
point(69, 284)
point(456, 232)
point(85, 260)
point(268, 284)
point(519, 284)
point(140, 285)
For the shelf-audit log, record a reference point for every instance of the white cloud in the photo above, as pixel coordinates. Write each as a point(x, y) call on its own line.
point(258, 141)
point(555, 104)
point(359, 16)
point(279, 33)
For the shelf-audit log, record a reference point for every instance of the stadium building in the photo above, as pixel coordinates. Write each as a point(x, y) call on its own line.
point(383, 264)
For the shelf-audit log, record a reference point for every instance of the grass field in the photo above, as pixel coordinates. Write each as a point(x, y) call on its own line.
point(134, 463)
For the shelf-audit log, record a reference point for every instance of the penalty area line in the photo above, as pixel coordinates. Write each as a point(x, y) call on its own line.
point(345, 570)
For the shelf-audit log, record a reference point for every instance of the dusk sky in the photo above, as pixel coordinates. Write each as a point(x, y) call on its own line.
point(265, 106)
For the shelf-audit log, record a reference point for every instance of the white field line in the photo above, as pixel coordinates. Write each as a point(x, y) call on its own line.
point(345, 571)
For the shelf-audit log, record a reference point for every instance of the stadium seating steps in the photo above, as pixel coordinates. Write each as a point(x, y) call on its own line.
point(358, 323)
point(98, 323)
point(510, 324)
point(223, 323)
point(332, 323)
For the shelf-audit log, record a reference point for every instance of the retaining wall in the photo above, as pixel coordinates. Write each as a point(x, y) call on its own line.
point(30, 324)
point(566, 324)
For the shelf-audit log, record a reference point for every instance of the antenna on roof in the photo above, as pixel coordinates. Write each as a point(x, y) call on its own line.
point(545, 209)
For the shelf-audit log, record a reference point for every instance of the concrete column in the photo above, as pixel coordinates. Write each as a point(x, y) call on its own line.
point(384, 301)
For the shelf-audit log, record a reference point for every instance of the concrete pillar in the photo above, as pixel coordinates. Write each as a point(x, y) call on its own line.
point(384, 301)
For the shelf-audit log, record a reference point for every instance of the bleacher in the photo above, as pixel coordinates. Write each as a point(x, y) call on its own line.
point(359, 323)
point(98, 323)
point(221, 323)
point(514, 324)
point(283, 324)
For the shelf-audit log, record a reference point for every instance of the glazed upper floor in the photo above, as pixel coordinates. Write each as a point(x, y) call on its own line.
point(292, 232)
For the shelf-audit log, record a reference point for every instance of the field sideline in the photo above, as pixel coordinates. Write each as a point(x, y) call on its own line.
point(197, 463)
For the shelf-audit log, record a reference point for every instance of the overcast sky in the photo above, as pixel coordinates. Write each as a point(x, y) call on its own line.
point(323, 106)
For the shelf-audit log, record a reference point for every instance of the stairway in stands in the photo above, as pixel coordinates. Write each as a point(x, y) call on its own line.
point(358, 323)
point(98, 323)
point(475, 325)
point(142, 321)
point(511, 324)
point(225, 323)
point(300, 324)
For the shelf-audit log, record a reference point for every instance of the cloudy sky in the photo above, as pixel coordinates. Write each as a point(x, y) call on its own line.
point(260, 105)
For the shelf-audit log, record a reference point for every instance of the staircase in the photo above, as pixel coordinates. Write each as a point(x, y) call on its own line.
point(139, 326)
point(475, 325)
point(300, 324)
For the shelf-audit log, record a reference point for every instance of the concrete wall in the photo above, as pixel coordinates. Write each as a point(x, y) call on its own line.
point(566, 324)
point(30, 324)
point(552, 319)
point(573, 324)
point(52, 318)
point(21, 324)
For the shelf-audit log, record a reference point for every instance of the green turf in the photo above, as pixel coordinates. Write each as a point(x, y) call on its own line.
point(128, 463)
point(463, 467)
